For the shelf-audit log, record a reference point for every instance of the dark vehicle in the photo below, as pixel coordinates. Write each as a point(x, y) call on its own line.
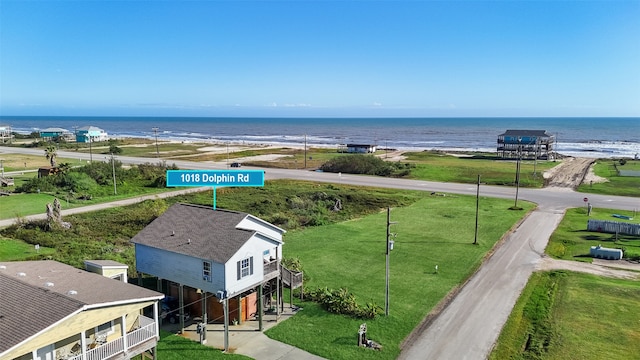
point(236, 164)
point(170, 310)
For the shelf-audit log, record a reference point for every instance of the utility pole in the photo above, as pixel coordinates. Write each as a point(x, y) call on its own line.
point(389, 245)
point(475, 239)
point(113, 169)
point(90, 152)
point(155, 131)
point(305, 151)
point(518, 172)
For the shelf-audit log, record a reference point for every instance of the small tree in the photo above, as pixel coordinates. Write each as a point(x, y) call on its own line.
point(51, 153)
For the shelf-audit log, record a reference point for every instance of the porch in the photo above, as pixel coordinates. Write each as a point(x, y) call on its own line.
point(135, 342)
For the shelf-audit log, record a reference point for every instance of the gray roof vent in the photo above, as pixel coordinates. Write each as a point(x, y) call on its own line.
point(48, 284)
point(2, 267)
point(72, 292)
point(21, 274)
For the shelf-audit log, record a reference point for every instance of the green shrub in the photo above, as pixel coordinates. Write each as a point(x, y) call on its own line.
point(343, 302)
point(367, 165)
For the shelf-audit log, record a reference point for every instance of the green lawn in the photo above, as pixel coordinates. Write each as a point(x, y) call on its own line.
point(436, 166)
point(433, 231)
point(17, 250)
point(175, 347)
point(564, 315)
point(29, 204)
point(572, 241)
point(617, 185)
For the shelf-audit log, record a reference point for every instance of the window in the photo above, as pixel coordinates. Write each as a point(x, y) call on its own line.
point(105, 329)
point(245, 267)
point(206, 271)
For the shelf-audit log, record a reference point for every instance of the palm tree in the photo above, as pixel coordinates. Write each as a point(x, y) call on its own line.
point(51, 153)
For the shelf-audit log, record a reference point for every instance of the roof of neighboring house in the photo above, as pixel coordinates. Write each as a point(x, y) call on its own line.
point(90, 128)
point(54, 130)
point(38, 294)
point(197, 231)
point(360, 145)
point(526, 133)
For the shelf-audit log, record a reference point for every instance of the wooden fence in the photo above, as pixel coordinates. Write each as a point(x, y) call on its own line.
point(613, 227)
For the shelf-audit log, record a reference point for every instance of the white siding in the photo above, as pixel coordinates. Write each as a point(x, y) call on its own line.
point(179, 268)
point(252, 223)
point(255, 248)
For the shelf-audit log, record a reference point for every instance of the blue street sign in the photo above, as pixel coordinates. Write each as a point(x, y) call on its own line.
point(215, 178)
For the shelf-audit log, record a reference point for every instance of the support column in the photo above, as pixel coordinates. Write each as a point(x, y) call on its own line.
point(123, 331)
point(83, 343)
point(156, 319)
point(181, 304)
point(239, 319)
point(225, 305)
point(204, 317)
point(260, 306)
point(159, 285)
point(139, 279)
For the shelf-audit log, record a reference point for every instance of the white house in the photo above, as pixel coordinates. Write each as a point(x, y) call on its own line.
point(227, 254)
point(91, 133)
point(357, 148)
point(49, 310)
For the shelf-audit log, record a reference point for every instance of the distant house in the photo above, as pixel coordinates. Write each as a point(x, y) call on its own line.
point(220, 255)
point(49, 310)
point(5, 133)
point(91, 133)
point(357, 148)
point(526, 144)
point(52, 134)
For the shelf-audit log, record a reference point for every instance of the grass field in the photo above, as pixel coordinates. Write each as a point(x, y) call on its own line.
point(572, 241)
point(617, 185)
point(433, 231)
point(437, 166)
point(565, 315)
point(16, 250)
point(175, 347)
point(18, 205)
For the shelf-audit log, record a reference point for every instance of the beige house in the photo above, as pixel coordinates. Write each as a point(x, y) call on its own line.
point(50, 310)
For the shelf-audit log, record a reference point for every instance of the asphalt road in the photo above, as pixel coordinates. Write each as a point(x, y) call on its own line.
point(469, 326)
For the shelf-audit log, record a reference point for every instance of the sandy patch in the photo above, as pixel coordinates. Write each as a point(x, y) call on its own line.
point(569, 173)
point(547, 264)
point(592, 178)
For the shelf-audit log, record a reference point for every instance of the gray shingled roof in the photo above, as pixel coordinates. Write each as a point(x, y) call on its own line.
point(541, 133)
point(35, 295)
point(197, 231)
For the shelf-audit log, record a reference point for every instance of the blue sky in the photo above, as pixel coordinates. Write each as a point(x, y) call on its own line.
point(320, 58)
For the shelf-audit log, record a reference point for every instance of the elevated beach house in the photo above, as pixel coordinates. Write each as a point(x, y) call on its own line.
point(49, 310)
point(221, 262)
point(91, 133)
point(54, 133)
point(526, 144)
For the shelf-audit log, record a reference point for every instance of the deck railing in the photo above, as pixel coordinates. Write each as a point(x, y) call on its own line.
point(271, 267)
point(146, 331)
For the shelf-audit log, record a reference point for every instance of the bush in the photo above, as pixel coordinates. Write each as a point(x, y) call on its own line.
point(366, 165)
point(341, 301)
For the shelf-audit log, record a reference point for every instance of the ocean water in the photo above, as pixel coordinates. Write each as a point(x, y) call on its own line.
point(583, 137)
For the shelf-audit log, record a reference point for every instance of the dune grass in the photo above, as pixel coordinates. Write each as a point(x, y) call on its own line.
point(565, 315)
point(616, 185)
point(433, 231)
